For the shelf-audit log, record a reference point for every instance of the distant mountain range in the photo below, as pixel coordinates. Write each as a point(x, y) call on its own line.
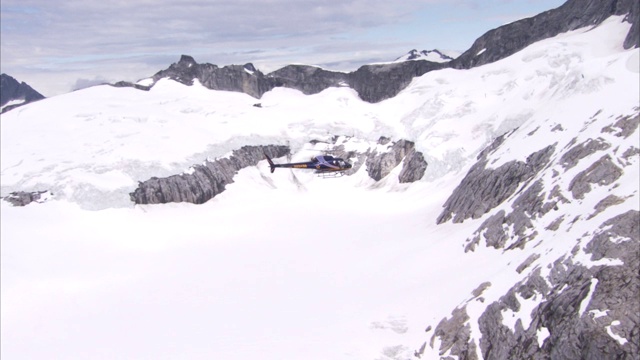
point(14, 93)
point(377, 82)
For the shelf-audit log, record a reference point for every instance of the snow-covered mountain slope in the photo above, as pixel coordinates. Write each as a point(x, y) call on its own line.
point(520, 240)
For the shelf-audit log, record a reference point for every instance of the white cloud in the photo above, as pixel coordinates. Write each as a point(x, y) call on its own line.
point(128, 40)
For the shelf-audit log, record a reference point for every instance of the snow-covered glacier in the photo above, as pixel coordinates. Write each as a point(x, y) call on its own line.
point(524, 223)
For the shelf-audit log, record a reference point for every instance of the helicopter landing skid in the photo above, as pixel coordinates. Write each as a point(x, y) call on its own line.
point(329, 174)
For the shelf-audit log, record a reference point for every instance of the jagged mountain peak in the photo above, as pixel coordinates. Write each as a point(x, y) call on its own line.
point(186, 60)
point(14, 94)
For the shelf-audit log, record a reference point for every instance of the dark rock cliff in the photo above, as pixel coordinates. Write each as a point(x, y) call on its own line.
point(379, 164)
point(373, 83)
point(23, 198)
point(506, 40)
point(402, 152)
point(11, 89)
point(309, 79)
point(241, 78)
point(205, 181)
point(483, 189)
point(575, 330)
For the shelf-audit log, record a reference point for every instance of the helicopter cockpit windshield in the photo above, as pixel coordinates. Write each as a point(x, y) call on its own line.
point(331, 161)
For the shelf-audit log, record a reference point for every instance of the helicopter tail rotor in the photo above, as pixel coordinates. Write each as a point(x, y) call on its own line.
point(271, 164)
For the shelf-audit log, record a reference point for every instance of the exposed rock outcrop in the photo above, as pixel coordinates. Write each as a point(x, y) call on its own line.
point(372, 82)
point(205, 181)
point(375, 83)
point(23, 198)
point(583, 304)
point(309, 79)
point(454, 334)
point(602, 172)
point(517, 225)
point(241, 78)
point(624, 126)
point(584, 311)
point(580, 308)
point(483, 189)
point(582, 150)
point(380, 165)
point(413, 167)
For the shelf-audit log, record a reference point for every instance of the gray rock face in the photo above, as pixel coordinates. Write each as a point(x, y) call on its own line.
point(23, 198)
point(206, 181)
point(584, 303)
point(501, 227)
point(372, 82)
point(580, 306)
point(309, 79)
point(454, 334)
point(375, 83)
point(483, 189)
point(580, 151)
point(11, 89)
point(602, 172)
point(633, 37)
point(129, 84)
point(413, 168)
point(624, 126)
point(511, 38)
point(238, 78)
point(403, 151)
point(380, 164)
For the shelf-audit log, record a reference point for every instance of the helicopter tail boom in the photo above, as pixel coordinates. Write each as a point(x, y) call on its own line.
point(271, 164)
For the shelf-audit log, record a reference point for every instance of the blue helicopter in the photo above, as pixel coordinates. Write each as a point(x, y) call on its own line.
point(322, 164)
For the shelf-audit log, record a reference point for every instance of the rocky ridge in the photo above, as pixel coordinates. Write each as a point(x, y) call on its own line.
point(22, 198)
point(375, 83)
point(508, 39)
point(584, 302)
point(12, 90)
point(203, 182)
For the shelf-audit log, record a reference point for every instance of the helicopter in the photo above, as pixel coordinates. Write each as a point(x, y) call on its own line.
point(322, 164)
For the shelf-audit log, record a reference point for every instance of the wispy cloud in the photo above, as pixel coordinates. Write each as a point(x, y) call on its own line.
point(127, 40)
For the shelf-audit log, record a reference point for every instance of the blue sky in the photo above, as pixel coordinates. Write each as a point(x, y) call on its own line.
point(59, 46)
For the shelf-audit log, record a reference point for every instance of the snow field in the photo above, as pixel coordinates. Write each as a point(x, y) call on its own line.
point(286, 265)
